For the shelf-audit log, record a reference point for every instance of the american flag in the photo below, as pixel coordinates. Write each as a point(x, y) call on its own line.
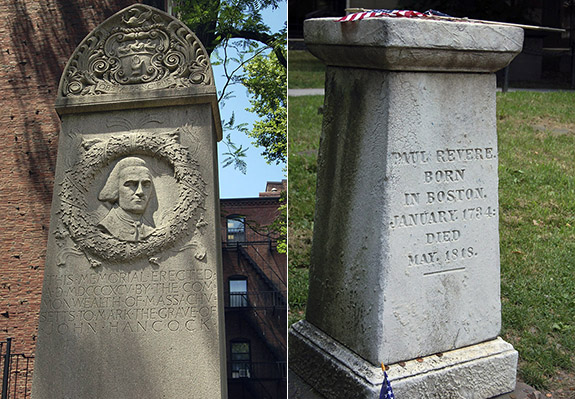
point(386, 391)
point(358, 16)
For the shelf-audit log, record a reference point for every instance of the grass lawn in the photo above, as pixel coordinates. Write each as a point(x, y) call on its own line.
point(537, 224)
point(305, 124)
point(304, 70)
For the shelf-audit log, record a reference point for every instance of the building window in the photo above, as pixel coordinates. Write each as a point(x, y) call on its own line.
point(236, 229)
point(238, 292)
point(240, 359)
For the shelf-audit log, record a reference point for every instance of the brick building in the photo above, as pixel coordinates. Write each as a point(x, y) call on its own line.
point(37, 38)
point(255, 296)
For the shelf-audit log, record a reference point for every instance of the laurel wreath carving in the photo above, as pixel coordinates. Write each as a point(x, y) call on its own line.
point(96, 154)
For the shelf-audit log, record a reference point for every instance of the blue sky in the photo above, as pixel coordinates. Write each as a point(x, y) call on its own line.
point(234, 184)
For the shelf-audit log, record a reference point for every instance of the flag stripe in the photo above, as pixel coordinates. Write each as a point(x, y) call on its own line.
point(358, 16)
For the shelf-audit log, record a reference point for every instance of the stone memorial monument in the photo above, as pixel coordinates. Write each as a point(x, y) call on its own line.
point(132, 295)
point(405, 256)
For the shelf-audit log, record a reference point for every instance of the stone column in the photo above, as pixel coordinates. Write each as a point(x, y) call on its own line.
point(132, 295)
point(405, 257)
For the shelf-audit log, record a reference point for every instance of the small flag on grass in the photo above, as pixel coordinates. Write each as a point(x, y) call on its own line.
point(386, 391)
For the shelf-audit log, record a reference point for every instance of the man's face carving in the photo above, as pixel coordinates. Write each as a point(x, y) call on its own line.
point(135, 189)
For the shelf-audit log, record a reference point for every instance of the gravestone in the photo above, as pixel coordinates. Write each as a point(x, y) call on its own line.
point(405, 256)
point(132, 295)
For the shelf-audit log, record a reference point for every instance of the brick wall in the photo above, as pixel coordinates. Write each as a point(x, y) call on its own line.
point(265, 325)
point(36, 39)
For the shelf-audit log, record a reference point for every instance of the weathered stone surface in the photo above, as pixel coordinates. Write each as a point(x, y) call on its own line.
point(403, 44)
point(405, 255)
point(132, 295)
point(400, 249)
point(475, 372)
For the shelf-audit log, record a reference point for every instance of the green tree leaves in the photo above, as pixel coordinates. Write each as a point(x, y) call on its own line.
point(237, 37)
point(266, 81)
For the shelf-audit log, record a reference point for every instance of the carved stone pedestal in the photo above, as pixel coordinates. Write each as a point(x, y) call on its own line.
point(132, 295)
point(405, 256)
point(478, 371)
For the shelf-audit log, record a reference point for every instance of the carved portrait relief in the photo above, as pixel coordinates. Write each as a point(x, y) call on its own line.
point(128, 189)
point(117, 207)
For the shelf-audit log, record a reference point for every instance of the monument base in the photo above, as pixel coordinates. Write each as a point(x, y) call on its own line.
point(479, 371)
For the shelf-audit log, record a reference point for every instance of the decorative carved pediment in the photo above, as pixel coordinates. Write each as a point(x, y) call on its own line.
point(137, 49)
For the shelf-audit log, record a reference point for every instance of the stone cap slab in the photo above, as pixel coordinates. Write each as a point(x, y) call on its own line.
point(411, 44)
point(143, 99)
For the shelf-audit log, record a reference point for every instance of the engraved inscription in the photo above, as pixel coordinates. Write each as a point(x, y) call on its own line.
point(458, 195)
point(136, 301)
point(442, 236)
point(445, 155)
point(441, 176)
point(464, 154)
point(444, 199)
point(424, 218)
point(410, 158)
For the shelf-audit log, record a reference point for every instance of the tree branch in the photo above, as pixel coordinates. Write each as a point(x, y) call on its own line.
point(239, 66)
point(262, 37)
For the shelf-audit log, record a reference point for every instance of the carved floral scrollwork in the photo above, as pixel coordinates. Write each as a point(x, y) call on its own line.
point(138, 49)
point(96, 154)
